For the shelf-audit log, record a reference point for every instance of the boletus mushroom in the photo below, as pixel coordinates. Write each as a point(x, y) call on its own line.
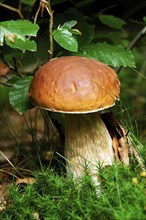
point(79, 87)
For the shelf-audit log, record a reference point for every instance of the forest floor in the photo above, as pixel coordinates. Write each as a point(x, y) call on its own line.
point(33, 183)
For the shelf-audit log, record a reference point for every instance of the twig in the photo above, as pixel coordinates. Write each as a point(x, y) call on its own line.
point(11, 174)
point(137, 38)
point(18, 11)
point(13, 70)
point(133, 43)
point(37, 13)
point(50, 12)
point(47, 5)
point(7, 159)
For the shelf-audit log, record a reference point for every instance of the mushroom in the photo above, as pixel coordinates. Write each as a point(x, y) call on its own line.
point(79, 87)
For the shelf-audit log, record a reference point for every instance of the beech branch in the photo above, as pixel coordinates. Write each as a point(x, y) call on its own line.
point(47, 5)
point(17, 10)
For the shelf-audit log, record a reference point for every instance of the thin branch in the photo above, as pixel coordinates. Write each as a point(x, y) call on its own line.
point(133, 43)
point(47, 5)
point(18, 11)
point(50, 12)
point(11, 174)
point(37, 13)
point(9, 7)
point(7, 159)
point(13, 70)
point(104, 10)
point(16, 68)
point(137, 38)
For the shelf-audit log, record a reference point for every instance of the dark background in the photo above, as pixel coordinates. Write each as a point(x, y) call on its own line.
point(132, 9)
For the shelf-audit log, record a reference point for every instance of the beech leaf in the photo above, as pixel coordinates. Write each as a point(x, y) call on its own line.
point(112, 21)
point(14, 32)
point(63, 35)
point(18, 95)
point(114, 55)
point(22, 45)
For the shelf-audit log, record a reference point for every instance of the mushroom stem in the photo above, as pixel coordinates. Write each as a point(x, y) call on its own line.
point(87, 144)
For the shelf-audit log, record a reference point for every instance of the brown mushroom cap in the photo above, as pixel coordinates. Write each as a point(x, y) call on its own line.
point(75, 84)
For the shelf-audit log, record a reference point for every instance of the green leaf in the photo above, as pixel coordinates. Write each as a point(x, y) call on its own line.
point(84, 3)
point(56, 2)
point(13, 80)
point(110, 54)
point(144, 18)
point(14, 30)
point(63, 35)
point(22, 45)
point(112, 21)
point(69, 24)
point(115, 38)
point(65, 39)
point(86, 29)
point(18, 95)
point(28, 2)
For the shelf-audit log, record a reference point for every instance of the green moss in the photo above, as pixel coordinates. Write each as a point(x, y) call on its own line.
point(56, 197)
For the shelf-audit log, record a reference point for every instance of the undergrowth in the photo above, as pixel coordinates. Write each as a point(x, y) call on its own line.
point(55, 197)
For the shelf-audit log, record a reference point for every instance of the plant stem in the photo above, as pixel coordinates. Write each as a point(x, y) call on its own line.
point(47, 5)
point(37, 13)
point(50, 12)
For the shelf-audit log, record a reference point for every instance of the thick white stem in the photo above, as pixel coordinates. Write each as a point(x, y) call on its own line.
point(87, 144)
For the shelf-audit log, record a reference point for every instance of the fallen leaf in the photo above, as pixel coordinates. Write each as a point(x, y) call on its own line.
point(115, 144)
point(26, 180)
point(2, 207)
point(4, 69)
point(124, 148)
point(36, 216)
point(48, 155)
point(3, 196)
